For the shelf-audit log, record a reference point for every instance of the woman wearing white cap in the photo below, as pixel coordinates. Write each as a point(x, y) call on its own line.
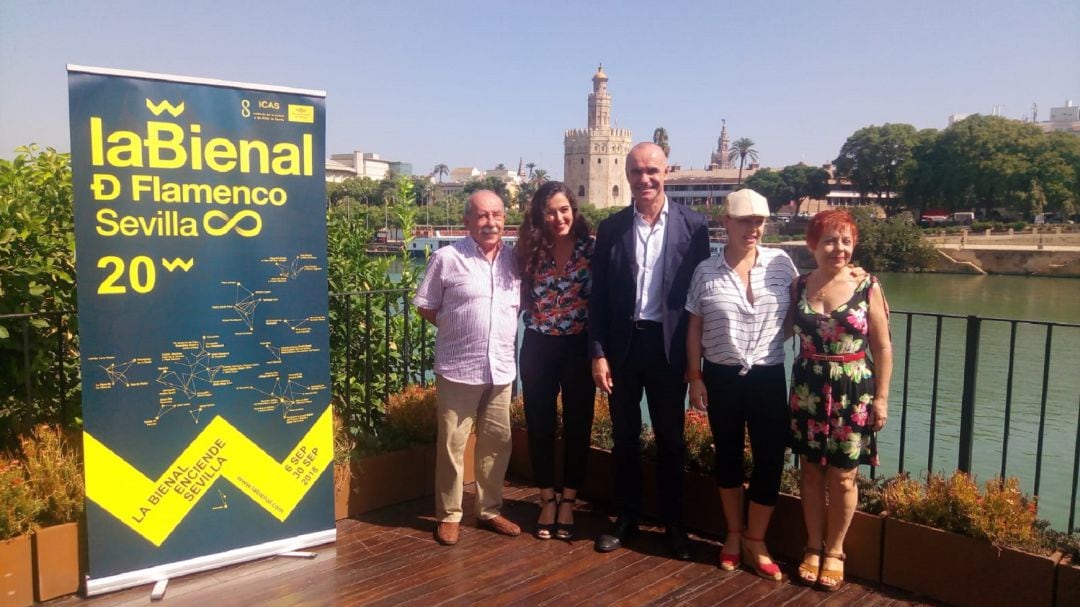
point(737, 304)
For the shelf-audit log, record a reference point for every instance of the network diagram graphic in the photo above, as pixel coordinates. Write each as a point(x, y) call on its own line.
point(119, 373)
point(291, 269)
point(287, 397)
point(245, 303)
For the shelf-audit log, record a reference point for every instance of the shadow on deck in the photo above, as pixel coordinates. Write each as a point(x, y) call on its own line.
point(388, 557)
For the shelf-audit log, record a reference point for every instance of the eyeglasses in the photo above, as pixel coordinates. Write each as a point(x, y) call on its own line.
point(496, 216)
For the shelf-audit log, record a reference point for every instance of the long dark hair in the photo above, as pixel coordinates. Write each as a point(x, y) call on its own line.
point(534, 242)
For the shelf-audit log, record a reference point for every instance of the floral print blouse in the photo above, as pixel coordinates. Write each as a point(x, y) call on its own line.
point(560, 296)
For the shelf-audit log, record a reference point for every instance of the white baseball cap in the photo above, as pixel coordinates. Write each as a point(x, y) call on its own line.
point(746, 203)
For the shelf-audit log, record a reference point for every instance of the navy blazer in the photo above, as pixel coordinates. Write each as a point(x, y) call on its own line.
point(614, 270)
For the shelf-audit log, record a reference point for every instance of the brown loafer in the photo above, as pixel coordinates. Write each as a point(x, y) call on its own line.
point(499, 524)
point(447, 533)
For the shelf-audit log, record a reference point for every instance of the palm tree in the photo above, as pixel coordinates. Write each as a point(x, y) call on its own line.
point(539, 177)
point(530, 166)
point(740, 149)
point(440, 170)
point(659, 137)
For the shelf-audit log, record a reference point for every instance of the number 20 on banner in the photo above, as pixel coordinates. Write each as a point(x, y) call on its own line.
point(140, 273)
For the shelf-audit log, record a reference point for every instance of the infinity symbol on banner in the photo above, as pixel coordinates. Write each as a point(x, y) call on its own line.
point(232, 223)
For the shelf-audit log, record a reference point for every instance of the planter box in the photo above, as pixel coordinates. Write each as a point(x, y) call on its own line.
point(600, 479)
point(1068, 584)
point(391, 478)
point(520, 461)
point(863, 543)
point(342, 489)
point(702, 509)
point(963, 571)
point(16, 577)
point(56, 561)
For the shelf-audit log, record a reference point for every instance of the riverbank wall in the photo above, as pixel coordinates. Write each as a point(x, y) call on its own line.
point(1024, 260)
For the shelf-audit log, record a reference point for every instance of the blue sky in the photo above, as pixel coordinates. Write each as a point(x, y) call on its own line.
point(478, 83)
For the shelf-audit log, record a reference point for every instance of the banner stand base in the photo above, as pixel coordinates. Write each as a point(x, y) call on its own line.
point(160, 574)
point(158, 592)
point(298, 554)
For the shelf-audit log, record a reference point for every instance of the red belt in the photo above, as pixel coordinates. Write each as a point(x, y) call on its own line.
point(839, 358)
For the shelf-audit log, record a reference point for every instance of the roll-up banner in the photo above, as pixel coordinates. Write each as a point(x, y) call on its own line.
point(201, 258)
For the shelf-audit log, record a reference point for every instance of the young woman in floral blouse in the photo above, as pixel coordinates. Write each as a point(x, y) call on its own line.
point(839, 395)
point(553, 252)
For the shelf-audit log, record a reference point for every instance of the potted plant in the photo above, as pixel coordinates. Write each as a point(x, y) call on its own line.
point(18, 508)
point(54, 471)
point(343, 446)
point(947, 539)
point(399, 464)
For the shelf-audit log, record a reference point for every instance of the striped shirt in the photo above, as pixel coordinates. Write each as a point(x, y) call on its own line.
point(734, 331)
point(476, 303)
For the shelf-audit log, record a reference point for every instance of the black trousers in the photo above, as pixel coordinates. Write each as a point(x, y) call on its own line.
point(646, 369)
point(756, 401)
point(550, 364)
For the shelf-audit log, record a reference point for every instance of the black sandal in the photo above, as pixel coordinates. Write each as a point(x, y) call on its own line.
point(545, 531)
point(565, 531)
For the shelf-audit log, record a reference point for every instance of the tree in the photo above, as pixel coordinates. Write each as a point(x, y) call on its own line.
point(495, 184)
point(877, 159)
point(891, 245)
point(805, 181)
point(792, 183)
point(539, 178)
point(441, 170)
point(500, 167)
point(660, 138)
point(771, 185)
point(530, 166)
point(37, 274)
point(740, 149)
point(991, 161)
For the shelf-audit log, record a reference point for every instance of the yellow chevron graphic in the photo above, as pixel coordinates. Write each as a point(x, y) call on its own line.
point(154, 507)
point(157, 108)
point(183, 264)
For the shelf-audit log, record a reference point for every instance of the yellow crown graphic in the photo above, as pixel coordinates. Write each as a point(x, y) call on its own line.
point(157, 108)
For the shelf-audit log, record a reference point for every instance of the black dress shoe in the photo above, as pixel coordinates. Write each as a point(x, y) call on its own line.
point(624, 528)
point(679, 543)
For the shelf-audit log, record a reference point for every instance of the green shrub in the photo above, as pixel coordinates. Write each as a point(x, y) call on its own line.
point(411, 419)
point(18, 506)
point(37, 274)
point(892, 245)
point(999, 513)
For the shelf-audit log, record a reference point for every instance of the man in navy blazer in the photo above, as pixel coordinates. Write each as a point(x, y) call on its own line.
point(643, 261)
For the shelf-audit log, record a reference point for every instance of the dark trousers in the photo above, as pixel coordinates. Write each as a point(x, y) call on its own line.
point(646, 368)
point(756, 401)
point(550, 363)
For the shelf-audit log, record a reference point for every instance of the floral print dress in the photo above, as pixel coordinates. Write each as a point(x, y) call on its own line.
point(832, 383)
point(560, 297)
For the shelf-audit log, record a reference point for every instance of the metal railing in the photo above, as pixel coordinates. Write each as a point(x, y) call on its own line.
point(978, 412)
point(379, 345)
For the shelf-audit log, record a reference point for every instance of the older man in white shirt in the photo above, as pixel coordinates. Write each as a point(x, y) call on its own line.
point(471, 292)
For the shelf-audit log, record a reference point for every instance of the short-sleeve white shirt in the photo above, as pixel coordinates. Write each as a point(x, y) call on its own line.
point(735, 331)
point(476, 303)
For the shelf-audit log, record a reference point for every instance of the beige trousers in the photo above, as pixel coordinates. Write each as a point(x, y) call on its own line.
point(460, 406)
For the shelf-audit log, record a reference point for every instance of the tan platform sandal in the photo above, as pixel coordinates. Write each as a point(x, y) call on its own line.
point(835, 576)
point(808, 574)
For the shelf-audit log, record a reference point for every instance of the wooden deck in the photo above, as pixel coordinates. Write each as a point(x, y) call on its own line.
point(389, 558)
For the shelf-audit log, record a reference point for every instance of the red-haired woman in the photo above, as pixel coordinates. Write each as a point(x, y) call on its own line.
point(839, 395)
point(553, 253)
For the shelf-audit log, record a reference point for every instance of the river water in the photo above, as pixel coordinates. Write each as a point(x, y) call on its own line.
point(1005, 297)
